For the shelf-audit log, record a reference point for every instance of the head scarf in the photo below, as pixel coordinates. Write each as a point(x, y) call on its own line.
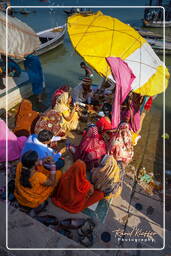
point(25, 119)
point(62, 103)
point(107, 176)
point(91, 148)
point(73, 188)
point(120, 145)
point(58, 92)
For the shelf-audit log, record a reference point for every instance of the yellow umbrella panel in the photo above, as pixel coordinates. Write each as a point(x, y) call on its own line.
point(97, 36)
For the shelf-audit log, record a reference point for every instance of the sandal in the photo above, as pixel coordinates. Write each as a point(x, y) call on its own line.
point(85, 233)
point(87, 240)
point(87, 227)
point(72, 223)
point(47, 220)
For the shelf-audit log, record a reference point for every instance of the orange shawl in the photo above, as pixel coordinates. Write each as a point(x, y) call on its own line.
point(73, 188)
point(25, 119)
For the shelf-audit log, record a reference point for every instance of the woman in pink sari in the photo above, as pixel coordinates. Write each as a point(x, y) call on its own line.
point(91, 149)
point(121, 146)
point(15, 144)
point(131, 111)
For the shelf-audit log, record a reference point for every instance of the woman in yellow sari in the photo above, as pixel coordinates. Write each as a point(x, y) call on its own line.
point(33, 183)
point(69, 120)
point(108, 177)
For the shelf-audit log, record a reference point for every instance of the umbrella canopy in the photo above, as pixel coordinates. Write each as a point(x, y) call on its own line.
point(97, 37)
point(22, 40)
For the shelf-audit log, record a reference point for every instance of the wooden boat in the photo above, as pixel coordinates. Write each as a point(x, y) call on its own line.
point(156, 41)
point(83, 11)
point(157, 24)
point(25, 11)
point(153, 17)
point(20, 87)
point(157, 45)
point(51, 38)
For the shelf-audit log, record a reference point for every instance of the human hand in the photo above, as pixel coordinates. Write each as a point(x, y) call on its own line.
point(91, 191)
point(76, 108)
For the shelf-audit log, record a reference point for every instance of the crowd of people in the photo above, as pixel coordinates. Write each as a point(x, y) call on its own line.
point(100, 159)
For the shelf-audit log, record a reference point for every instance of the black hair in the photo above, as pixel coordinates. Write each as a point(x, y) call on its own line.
point(45, 135)
point(82, 63)
point(107, 108)
point(28, 160)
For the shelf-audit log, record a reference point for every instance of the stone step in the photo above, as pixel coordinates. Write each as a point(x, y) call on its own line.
point(25, 232)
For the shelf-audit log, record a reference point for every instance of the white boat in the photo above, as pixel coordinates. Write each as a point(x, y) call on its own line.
point(156, 41)
point(20, 87)
point(51, 38)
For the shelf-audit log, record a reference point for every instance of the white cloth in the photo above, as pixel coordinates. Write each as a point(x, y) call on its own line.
point(22, 40)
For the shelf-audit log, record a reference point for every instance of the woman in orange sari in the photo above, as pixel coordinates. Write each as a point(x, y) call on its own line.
point(75, 192)
point(33, 183)
point(25, 119)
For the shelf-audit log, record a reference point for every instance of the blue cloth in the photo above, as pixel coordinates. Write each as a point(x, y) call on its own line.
point(14, 69)
point(43, 150)
point(146, 98)
point(33, 67)
point(60, 163)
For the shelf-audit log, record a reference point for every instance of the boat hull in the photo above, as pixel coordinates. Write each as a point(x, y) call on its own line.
point(154, 24)
point(50, 46)
point(18, 88)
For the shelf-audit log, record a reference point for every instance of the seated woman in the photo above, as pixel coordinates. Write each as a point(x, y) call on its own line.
point(108, 177)
point(15, 145)
point(58, 92)
point(25, 119)
point(49, 121)
point(69, 119)
point(75, 192)
point(121, 145)
point(33, 183)
point(91, 148)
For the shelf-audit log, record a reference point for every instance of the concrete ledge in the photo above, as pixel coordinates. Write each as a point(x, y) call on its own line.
point(25, 232)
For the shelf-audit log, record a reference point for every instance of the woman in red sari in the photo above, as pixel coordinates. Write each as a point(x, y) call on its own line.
point(75, 192)
point(91, 149)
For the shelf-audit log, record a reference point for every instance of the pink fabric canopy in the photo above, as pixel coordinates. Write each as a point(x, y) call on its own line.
point(124, 77)
point(15, 144)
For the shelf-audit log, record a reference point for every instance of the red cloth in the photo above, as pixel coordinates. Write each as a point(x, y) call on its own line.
point(148, 104)
point(103, 124)
point(91, 148)
point(72, 191)
point(124, 77)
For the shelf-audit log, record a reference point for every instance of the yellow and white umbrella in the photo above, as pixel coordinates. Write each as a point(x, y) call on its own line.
point(22, 40)
point(97, 36)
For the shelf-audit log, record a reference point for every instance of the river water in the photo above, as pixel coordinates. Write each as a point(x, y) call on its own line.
point(61, 66)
